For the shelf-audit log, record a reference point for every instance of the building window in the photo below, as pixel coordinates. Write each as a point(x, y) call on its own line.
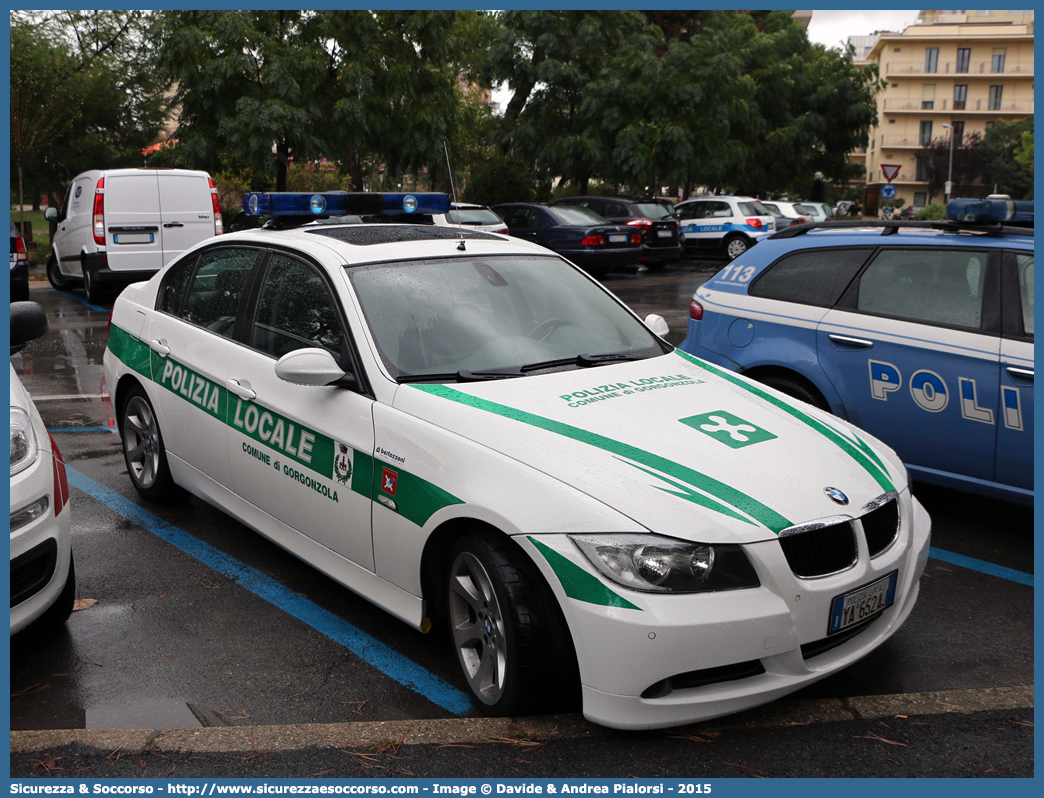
point(960, 96)
point(996, 92)
point(931, 59)
point(999, 56)
point(921, 172)
point(963, 59)
point(926, 133)
point(957, 132)
point(920, 199)
point(927, 96)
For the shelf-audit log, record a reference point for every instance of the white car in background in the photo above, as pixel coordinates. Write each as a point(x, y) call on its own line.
point(471, 217)
point(43, 581)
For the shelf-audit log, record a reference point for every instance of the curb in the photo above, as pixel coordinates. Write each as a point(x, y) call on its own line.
point(490, 730)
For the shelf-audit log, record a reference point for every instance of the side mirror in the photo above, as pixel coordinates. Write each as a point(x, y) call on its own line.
point(28, 321)
point(51, 214)
point(311, 366)
point(657, 324)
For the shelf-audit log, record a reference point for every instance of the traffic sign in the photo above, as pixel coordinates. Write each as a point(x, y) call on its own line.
point(890, 170)
point(888, 191)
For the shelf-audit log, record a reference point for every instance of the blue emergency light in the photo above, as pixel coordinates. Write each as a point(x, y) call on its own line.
point(995, 209)
point(342, 203)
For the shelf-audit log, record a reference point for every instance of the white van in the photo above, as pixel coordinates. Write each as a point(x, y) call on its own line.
point(123, 225)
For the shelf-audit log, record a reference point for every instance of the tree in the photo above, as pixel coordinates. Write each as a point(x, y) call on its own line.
point(80, 96)
point(968, 162)
point(1006, 166)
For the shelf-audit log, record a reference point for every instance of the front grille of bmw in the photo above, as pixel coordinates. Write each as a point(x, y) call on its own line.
point(830, 546)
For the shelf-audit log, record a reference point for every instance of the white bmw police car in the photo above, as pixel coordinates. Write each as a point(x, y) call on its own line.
point(463, 427)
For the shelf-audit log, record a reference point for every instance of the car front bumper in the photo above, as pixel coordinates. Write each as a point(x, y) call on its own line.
point(677, 659)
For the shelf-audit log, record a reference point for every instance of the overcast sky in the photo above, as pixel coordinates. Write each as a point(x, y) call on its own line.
point(832, 28)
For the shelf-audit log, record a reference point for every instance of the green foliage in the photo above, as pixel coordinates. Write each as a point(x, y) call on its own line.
point(316, 177)
point(1008, 158)
point(931, 213)
point(500, 179)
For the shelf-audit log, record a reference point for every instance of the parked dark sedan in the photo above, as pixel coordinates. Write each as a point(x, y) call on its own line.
point(19, 266)
point(661, 237)
point(577, 234)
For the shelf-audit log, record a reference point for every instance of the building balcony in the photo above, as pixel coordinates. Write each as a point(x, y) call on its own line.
point(981, 105)
point(976, 68)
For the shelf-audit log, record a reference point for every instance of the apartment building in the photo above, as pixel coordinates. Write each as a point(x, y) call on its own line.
point(951, 73)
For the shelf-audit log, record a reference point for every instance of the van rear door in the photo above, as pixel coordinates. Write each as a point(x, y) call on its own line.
point(188, 211)
point(132, 221)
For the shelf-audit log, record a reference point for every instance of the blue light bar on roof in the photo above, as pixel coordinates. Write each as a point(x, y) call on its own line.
point(342, 203)
point(989, 210)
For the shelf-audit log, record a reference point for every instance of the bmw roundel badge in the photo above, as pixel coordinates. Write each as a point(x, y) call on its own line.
point(836, 495)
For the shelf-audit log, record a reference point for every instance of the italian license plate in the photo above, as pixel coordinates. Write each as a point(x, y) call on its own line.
point(664, 233)
point(132, 238)
point(618, 238)
point(863, 603)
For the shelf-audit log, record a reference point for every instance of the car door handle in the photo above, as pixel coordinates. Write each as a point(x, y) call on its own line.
point(850, 343)
point(174, 224)
point(159, 347)
point(242, 391)
point(1022, 374)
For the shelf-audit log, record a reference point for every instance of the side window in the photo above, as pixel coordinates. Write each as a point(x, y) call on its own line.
point(934, 286)
point(295, 310)
point(812, 277)
point(515, 217)
point(1024, 264)
point(719, 210)
point(217, 287)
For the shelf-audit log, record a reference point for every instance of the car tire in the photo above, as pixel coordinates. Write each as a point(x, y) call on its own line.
point(55, 277)
point(143, 449)
point(59, 612)
point(796, 388)
point(91, 287)
point(736, 246)
point(507, 629)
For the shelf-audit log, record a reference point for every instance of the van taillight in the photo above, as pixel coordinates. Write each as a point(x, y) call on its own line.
point(219, 226)
point(695, 311)
point(99, 213)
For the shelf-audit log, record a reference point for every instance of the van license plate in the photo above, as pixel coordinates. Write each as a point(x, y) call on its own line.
point(133, 238)
point(862, 604)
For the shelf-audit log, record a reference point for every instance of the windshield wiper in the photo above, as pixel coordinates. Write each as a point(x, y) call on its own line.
point(458, 376)
point(581, 361)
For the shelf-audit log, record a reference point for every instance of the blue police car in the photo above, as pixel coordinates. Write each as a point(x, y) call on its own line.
point(921, 333)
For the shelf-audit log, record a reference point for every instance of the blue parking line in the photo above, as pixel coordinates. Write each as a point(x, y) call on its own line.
point(82, 300)
point(981, 565)
point(369, 649)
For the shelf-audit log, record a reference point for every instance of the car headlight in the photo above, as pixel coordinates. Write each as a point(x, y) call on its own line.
point(23, 441)
point(657, 564)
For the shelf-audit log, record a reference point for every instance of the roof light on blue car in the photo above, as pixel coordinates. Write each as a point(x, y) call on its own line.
point(342, 203)
point(994, 209)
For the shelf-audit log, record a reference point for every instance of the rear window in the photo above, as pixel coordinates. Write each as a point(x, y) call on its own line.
point(651, 210)
point(473, 216)
point(577, 215)
point(753, 209)
point(805, 210)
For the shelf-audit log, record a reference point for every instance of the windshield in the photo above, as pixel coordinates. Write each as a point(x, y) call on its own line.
point(577, 214)
point(473, 216)
point(510, 315)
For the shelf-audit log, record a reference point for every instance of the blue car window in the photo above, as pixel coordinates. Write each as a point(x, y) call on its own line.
point(934, 286)
point(811, 277)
